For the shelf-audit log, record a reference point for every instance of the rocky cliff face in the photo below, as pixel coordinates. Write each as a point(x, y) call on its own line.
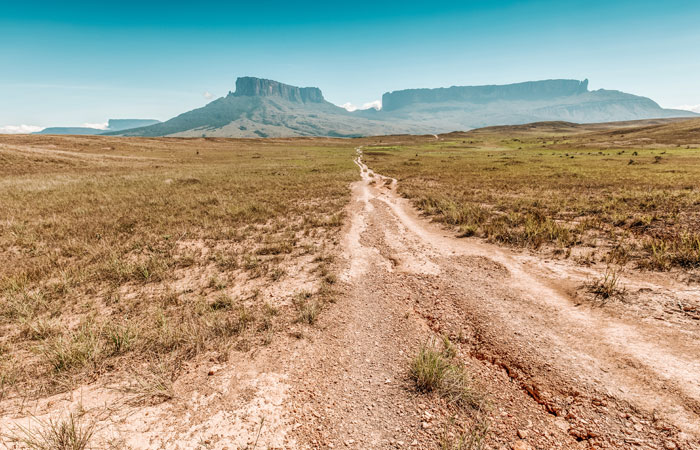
point(258, 87)
point(528, 91)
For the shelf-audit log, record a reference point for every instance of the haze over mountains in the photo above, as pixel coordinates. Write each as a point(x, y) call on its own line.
point(112, 125)
point(267, 108)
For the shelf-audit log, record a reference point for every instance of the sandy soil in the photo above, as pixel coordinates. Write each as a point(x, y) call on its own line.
point(559, 370)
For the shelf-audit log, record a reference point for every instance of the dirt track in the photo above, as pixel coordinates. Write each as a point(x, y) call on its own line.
point(558, 371)
point(562, 373)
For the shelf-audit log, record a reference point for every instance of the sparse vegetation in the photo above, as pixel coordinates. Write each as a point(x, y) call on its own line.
point(308, 308)
point(467, 437)
point(68, 433)
point(435, 369)
point(608, 286)
point(558, 188)
point(157, 249)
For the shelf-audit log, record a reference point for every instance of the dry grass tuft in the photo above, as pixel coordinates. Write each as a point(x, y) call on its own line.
point(435, 369)
point(608, 286)
point(69, 433)
point(308, 308)
point(468, 436)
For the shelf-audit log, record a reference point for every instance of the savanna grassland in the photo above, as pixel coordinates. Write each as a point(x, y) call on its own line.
point(138, 255)
point(196, 279)
point(623, 194)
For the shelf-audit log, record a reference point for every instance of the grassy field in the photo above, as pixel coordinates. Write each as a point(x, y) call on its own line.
point(624, 194)
point(137, 255)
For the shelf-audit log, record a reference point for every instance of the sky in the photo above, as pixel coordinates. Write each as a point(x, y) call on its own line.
point(73, 63)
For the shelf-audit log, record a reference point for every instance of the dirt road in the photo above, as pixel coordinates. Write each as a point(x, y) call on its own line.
point(561, 373)
point(557, 370)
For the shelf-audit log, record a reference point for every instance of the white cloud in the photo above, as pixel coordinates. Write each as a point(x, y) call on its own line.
point(377, 104)
point(208, 95)
point(20, 129)
point(694, 108)
point(99, 126)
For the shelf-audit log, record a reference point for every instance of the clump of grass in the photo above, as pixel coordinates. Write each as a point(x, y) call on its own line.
point(308, 308)
point(468, 437)
point(20, 302)
point(38, 330)
point(75, 350)
point(120, 269)
point(222, 301)
point(69, 433)
point(217, 283)
point(120, 338)
point(154, 385)
point(225, 261)
point(428, 369)
point(277, 273)
point(681, 251)
point(308, 311)
point(608, 286)
point(434, 369)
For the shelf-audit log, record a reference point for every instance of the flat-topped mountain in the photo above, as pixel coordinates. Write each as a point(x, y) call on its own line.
point(528, 91)
point(267, 108)
point(257, 87)
point(466, 107)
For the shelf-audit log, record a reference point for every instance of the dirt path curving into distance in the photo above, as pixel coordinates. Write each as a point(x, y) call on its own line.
point(560, 373)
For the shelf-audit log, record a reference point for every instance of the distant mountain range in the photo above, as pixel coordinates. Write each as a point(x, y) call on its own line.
point(267, 108)
point(112, 126)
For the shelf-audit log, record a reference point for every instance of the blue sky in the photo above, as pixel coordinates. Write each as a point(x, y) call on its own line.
point(70, 63)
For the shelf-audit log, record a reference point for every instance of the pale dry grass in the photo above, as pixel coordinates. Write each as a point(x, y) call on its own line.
point(561, 187)
point(120, 253)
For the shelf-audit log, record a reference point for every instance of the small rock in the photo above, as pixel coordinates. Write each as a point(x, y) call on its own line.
point(521, 445)
point(210, 373)
point(349, 442)
point(670, 445)
point(522, 434)
point(425, 425)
